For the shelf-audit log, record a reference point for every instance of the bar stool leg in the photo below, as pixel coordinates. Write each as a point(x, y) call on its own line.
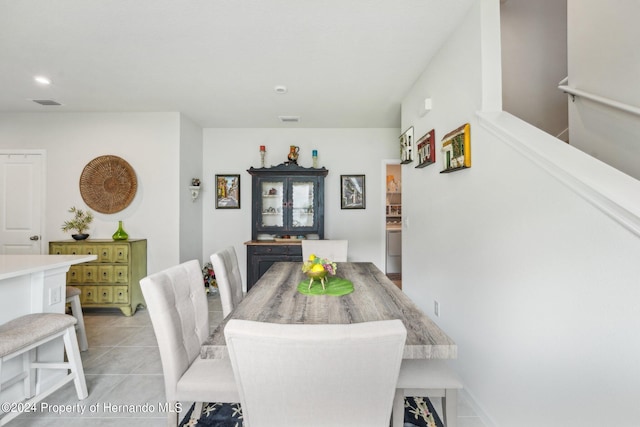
point(75, 363)
point(76, 311)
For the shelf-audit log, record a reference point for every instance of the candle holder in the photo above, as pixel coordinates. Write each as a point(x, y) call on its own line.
point(263, 152)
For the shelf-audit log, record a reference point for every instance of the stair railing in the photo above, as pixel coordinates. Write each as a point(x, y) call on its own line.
point(573, 92)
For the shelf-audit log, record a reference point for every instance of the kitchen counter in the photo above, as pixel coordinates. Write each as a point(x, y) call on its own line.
point(20, 265)
point(34, 284)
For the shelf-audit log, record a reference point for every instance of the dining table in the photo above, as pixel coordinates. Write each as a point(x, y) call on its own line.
point(275, 298)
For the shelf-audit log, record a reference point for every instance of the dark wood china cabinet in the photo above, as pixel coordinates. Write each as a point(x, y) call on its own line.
point(287, 206)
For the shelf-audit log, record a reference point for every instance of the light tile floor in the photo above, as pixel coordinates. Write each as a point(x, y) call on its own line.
point(124, 377)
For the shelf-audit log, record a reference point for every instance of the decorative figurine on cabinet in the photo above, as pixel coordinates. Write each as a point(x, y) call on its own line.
point(294, 150)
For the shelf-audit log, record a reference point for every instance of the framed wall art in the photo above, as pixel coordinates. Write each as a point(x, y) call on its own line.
point(227, 191)
point(456, 149)
point(426, 149)
point(352, 192)
point(406, 146)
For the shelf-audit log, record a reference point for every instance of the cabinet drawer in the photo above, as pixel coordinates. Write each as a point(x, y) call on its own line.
point(90, 274)
point(106, 273)
point(89, 249)
point(121, 253)
point(105, 294)
point(73, 250)
point(121, 294)
point(88, 294)
point(121, 273)
point(57, 250)
point(74, 275)
point(276, 250)
point(105, 254)
point(270, 250)
point(295, 250)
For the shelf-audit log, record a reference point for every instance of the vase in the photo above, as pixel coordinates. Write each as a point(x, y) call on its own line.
point(120, 234)
point(293, 154)
point(79, 236)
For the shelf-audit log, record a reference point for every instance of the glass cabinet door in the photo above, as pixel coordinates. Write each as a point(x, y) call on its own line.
point(272, 212)
point(302, 204)
point(288, 202)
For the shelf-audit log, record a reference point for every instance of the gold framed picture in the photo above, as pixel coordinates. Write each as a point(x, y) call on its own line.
point(456, 149)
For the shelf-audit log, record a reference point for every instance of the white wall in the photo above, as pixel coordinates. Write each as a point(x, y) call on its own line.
point(534, 60)
point(607, 66)
point(149, 142)
point(341, 151)
point(536, 284)
point(190, 211)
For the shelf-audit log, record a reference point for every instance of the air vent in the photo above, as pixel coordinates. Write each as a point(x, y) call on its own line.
point(289, 119)
point(46, 102)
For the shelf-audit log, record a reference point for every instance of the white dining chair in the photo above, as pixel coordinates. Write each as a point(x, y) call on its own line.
point(316, 375)
point(177, 304)
point(227, 272)
point(334, 250)
point(427, 378)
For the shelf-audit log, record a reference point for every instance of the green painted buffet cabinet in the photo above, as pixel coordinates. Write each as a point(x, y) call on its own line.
point(111, 281)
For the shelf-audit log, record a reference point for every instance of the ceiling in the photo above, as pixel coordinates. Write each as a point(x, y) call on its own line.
point(345, 63)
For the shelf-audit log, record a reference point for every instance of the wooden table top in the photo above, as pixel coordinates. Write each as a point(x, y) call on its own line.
point(275, 299)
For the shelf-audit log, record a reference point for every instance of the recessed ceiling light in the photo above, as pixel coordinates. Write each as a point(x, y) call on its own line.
point(42, 80)
point(280, 89)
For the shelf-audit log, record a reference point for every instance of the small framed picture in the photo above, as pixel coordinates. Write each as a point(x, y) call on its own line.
point(426, 149)
point(456, 149)
point(352, 192)
point(406, 146)
point(227, 191)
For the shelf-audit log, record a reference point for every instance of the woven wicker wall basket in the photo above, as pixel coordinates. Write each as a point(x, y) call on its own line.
point(108, 184)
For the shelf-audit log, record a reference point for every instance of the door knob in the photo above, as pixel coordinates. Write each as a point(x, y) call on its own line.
point(36, 237)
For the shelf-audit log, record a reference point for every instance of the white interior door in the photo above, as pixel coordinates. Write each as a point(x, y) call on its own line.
point(21, 202)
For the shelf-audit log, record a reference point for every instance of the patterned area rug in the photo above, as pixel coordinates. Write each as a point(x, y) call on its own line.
point(418, 412)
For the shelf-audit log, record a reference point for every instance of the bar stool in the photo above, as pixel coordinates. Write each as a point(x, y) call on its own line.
point(23, 336)
point(73, 298)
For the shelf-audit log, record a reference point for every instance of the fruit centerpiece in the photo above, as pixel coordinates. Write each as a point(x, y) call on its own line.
point(318, 268)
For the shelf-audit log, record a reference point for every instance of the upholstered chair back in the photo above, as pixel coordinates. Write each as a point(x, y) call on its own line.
point(227, 271)
point(334, 250)
point(177, 304)
point(316, 375)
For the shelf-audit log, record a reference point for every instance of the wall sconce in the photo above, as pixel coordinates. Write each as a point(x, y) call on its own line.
point(195, 189)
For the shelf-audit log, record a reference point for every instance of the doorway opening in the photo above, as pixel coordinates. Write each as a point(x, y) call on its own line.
point(393, 223)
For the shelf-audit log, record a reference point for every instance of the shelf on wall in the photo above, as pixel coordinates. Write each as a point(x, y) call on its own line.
point(454, 169)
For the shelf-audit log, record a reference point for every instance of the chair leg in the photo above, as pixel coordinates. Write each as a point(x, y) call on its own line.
point(76, 310)
point(172, 415)
point(397, 415)
point(197, 412)
point(75, 362)
point(450, 407)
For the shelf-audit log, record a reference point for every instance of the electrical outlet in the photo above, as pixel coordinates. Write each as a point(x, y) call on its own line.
point(55, 296)
point(436, 308)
